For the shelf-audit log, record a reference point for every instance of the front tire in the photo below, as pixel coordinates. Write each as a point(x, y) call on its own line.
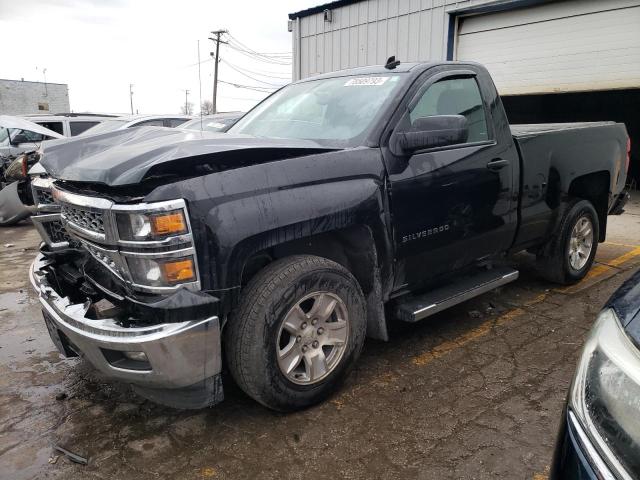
point(298, 330)
point(569, 254)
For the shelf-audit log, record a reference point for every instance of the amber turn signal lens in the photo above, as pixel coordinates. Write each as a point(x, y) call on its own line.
point(181, 270)
point(168, 223)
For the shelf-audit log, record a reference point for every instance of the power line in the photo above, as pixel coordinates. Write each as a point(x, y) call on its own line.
point(249, 87)
point(266, 58)
point(274, 59)
point(258, 58)
point(252, 78)
point(246, 48)
point(255, 72)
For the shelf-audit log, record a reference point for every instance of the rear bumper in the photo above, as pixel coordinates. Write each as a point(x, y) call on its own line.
point(184, 355)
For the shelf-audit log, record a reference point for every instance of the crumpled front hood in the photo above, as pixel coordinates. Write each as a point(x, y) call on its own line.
point(126, 157)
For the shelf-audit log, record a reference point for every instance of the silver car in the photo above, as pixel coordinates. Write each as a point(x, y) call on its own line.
point(130, 121)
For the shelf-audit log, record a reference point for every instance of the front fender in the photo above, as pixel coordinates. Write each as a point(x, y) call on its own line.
point(245, 226)
point(240, 211)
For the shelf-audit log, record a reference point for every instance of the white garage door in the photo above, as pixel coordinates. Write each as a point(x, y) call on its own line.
point(575, 45)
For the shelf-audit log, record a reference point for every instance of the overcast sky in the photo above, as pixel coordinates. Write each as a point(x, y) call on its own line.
point(99, 47)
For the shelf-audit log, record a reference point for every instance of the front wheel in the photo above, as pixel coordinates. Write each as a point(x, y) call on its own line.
point(569, 254)
point(297, 332)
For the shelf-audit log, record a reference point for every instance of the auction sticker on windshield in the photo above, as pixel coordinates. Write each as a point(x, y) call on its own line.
point(373, 81)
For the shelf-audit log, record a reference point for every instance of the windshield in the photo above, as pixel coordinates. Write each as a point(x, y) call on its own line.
point(333, 111)
point(104, 127)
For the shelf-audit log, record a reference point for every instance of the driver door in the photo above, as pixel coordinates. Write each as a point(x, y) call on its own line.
point(449, 207)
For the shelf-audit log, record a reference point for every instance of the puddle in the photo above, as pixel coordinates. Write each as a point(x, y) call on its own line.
point(13, 302)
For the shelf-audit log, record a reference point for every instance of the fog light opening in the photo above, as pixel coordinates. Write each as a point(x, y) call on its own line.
point(136, 356)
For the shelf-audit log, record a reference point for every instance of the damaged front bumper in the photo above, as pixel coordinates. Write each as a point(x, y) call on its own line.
point(176, 364)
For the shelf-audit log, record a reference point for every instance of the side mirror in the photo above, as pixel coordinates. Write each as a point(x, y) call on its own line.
point(19, 138)
point(432, 132)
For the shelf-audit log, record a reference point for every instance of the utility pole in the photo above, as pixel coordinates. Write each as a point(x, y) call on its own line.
point(131, 96)
point(216, 59)
point(186, 102)
point(44, 74)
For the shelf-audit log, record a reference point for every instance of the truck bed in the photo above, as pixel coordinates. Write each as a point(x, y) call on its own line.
point(552, 155)
point(532, 129)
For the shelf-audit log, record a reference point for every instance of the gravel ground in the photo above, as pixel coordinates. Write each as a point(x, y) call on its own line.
point(474, 392)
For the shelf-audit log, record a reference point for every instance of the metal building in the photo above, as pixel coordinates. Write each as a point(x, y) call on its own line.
point(552, 60)
point(20, 97)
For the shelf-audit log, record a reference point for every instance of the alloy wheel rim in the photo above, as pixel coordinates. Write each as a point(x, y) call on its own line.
point(580, 243)
point(312, 338)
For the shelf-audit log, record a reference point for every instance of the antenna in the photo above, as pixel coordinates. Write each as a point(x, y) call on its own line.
point(392, 63)
point(200, 85)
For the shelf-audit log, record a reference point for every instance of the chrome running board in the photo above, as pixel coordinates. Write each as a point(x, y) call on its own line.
point(416, 308)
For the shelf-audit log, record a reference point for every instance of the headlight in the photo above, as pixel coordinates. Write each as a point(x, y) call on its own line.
point(17, 170)
point(167, 272)
point(156, 226)
point(605, 394)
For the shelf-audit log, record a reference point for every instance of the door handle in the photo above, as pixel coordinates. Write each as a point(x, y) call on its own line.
point(497, 164)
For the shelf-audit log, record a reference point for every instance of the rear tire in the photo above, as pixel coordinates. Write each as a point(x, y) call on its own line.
point(297, 332)
point(569, 254)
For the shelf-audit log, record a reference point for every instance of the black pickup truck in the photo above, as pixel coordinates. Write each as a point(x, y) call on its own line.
point(337, 204)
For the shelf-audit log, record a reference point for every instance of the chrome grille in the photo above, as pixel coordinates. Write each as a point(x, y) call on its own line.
point(91, 221)
point(43, 196)
point(51, 229)
point(87, 219)
point(56, 231)
point(106, 257)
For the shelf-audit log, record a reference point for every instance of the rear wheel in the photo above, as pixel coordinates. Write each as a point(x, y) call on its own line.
point(298, 330)
point(569, 254)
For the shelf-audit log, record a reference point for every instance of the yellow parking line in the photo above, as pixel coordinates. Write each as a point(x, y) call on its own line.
point(468, 337)
point(481, 330)
point(542, 475)
point(601, 269)
point(621, 244)
point(616, 262)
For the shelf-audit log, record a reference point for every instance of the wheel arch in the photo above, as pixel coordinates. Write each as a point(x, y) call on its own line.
point(355, 247)
point(594, 187)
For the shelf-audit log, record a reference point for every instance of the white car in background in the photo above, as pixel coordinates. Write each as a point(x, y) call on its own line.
point(218, 122)
point(69, 124)
point(130, 121)
point(19, 135)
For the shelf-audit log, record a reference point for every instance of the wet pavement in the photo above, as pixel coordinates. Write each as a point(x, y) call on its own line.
point(474, 392)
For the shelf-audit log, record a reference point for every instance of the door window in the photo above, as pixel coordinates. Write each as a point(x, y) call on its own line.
point(456, 96)
point(78, 127)
point(55, 126)
point(174, 122)
point(150, 123)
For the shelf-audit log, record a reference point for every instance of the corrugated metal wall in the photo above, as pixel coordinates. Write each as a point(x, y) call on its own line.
point(370, 31)
point(575, 45)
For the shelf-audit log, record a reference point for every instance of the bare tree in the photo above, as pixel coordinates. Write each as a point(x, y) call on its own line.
point(187, 109)
point(207, 107)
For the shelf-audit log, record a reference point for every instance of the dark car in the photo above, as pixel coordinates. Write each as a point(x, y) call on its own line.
point(599, 436)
